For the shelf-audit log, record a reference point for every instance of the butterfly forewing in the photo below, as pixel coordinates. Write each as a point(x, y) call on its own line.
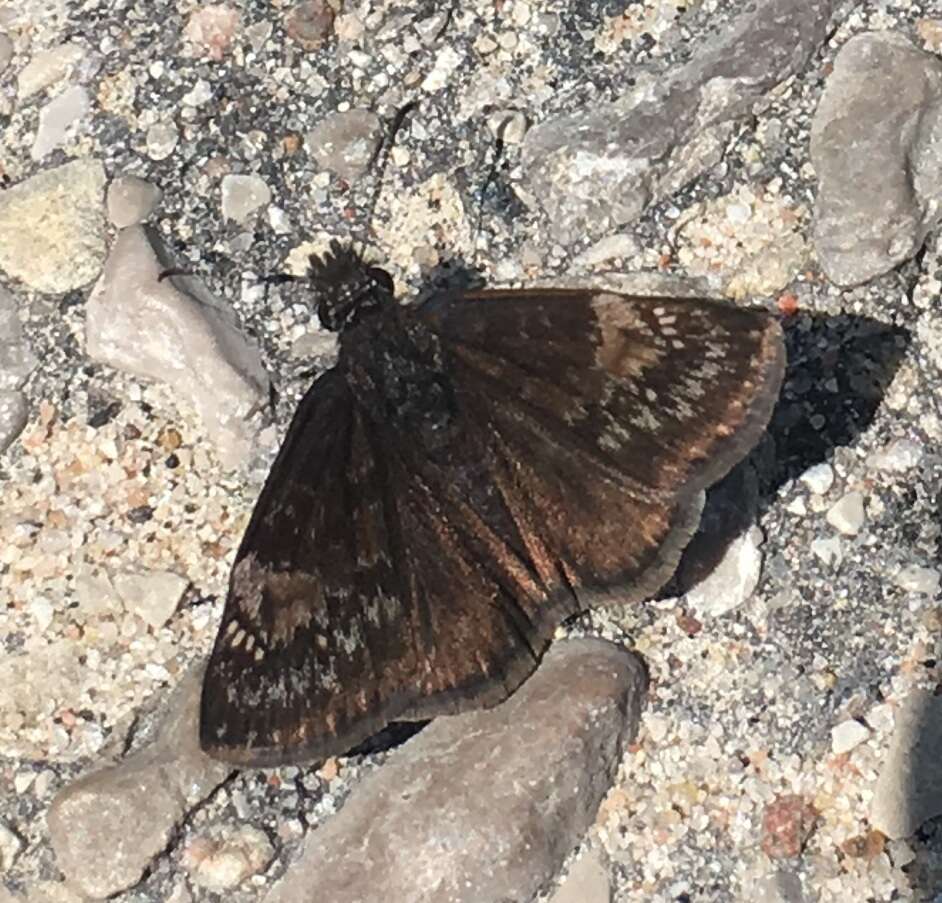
point(473, 471)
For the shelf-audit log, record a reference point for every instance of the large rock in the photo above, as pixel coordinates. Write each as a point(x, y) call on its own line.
point(173, 330)
point(108, 826)
point(596, 170)
point(484, 806)
point(876, 144)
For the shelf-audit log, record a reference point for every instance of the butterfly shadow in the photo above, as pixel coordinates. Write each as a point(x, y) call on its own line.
point(838, 370)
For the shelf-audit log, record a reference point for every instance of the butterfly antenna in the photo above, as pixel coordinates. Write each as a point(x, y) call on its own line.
point(380, 159)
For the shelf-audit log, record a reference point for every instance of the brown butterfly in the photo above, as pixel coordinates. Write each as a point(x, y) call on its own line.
point(472, 471)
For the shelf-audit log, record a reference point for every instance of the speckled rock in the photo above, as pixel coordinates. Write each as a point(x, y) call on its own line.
point(173, 330)
point(423, 828)
point(344, 143)
point(878, 124)
point(52, 231)
point(59, 118)
point(131, 200)
point(587, 882)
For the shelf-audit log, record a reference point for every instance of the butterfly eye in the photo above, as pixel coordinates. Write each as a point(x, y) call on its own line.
point(382, 279)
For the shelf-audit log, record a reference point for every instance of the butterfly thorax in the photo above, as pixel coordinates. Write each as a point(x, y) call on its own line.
point(392, 363)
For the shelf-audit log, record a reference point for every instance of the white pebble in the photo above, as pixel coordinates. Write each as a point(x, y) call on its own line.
point(819, 478)
point(847, 514)
point(846, 735)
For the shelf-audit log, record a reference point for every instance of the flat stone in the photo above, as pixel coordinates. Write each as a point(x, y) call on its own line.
point(162, 138)
point(131, 200)
point(587, 882)
point(847, 514)
point(223, 859)
point(11, 845)
point(879, 124)
point(908, 791)
point(897, 457)
point(423, 827)
point(52, 231)
point(17, 359)
point(174, 330)
point(58, 118)
point(916, 579)
point(6, 51)
point(819, 478)
point(131, 809)
point(310, 23)
point(345, 143)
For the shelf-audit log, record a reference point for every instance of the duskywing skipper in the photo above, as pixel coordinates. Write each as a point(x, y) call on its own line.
point(471, 472)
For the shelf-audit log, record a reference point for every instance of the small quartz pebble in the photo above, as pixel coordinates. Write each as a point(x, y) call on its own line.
point(154, 596)
point(900, 455)
point(210, 29)
point(220, 863)
point(345, 142)
point(847, 514)
point(846, 735)
point(6, 51)
point(819, 478)
point(162, 139)
point(57, 119)
point(131, 200)
point(829, 550)
point(733, 580)
point(915, 579)
point(243, 195)
point(621, 246)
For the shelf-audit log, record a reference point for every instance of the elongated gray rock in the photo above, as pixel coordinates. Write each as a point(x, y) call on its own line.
point(107, 827)
point(909, 786)
point(595, 170)
point(876, 145)
point(483, 806)
point(175, 331)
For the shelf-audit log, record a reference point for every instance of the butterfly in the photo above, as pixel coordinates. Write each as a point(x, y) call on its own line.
point(472, 471)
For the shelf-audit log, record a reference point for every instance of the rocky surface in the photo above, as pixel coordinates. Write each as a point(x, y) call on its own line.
point(777, 153)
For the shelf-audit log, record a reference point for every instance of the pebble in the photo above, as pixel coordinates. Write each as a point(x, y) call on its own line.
point(6, 51)
point(131, 200)
point(847, 735)
point(52, 228)
point(733, 580)
point(162, 138)
point(58, 118)
point(916, 579)
point(587, 882)
point(48, 67)
point(153, 596)
point(310, 24)
point(211, 28)
point(623, 246)
point(899, 456)
point(243, 196)
point(847, 514)
point(345, 143)
point(224, 861)
point(11, 845)
point(830, 550)
point(17, 359)
point(819, 478)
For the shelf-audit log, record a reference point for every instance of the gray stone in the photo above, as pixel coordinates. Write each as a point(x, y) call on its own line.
point(52, 231)
point(58, 118)
point(483, 806)
point(14, 413)
point(228, 856)
point(11, 845)
point(829, 550)
point(908, 791)
point(131, 200)
point(174, 330)
point(345, 143)
point(17, 359)
point(733, 580)
point(47, 68)
point(587, 882)
point(108, 826)
point(595, 170)
point(897, 457)
point(847, 514)
point(876, 145)
point(243, 195)
point(153, 596)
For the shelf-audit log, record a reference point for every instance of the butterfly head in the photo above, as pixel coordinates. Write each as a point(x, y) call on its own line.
point(347, 286)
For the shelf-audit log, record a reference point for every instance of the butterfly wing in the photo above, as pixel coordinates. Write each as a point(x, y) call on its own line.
point(602, 418)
